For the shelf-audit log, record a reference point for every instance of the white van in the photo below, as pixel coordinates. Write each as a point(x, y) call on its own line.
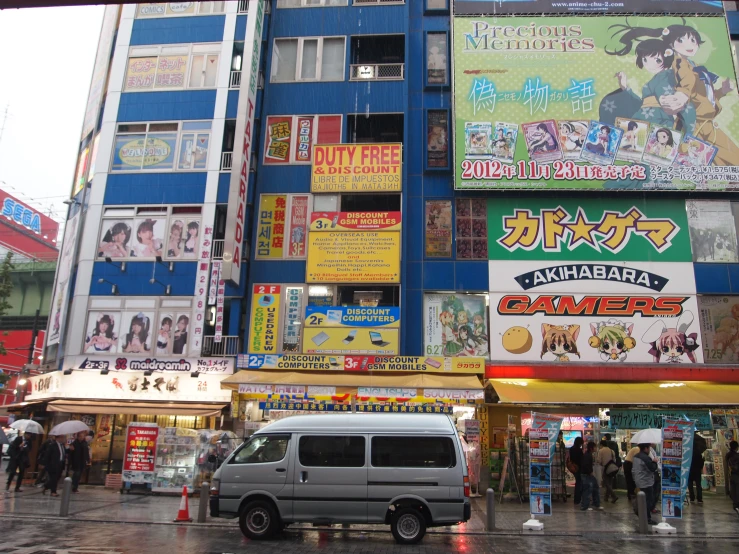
point(406, 470)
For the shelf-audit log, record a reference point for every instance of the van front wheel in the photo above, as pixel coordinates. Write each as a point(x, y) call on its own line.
point(408, 526)
point(258, 520)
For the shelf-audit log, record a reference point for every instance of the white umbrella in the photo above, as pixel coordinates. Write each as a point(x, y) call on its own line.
point(27, 426)
point(647, 436)
point(69, 428)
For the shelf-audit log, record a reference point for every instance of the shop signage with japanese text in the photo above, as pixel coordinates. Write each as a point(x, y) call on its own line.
point(222, 366)
point(265, 318)
point(306, 362)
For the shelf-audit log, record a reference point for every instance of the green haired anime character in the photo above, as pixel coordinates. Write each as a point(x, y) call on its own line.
point(613, 339)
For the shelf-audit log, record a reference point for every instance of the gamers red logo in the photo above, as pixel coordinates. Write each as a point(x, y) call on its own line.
point(607, 306)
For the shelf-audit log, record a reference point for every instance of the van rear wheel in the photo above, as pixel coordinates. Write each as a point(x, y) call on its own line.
point(408, 526)
point(258, 520)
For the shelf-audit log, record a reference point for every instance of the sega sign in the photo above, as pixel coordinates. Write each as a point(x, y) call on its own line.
point(22, 215)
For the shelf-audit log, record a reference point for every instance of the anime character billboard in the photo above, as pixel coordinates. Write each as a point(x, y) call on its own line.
point(611, 102)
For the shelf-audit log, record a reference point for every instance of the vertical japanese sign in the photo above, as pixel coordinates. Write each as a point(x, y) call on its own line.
point(297, 233)
point(215, 276)
point(279, 138)
point(236, 216)
point(139, 455)
point(438, 228)
point(271, 229)
point(293, 319)
point(677, 451)
point(220, 300)
point(305, 139)
point(61, 289)
point(196, 329)
point(542, 445)
point(265, 318)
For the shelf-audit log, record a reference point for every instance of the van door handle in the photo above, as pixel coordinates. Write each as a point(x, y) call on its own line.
point(280, 470)
point(303, 476)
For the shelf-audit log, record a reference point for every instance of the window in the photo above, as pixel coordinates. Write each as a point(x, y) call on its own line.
point(308, 59)
point(282, 230)
point(437, 140)
point(472, 229)
point(146, 325)
point(172, 67)
point(290, 138)
point(377, 57)
point(178, 9)
point(331, 451)
point(310, 3)
point(437, 5)
point(421, 452)
point(262, 449)
point(156, 146)
point(437, 70)
point(145, 233)
point(375, 128)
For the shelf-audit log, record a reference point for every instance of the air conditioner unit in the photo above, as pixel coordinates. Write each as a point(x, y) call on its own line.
point(366, 72)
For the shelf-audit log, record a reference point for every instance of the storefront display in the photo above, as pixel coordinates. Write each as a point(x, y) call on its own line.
point(177, 453)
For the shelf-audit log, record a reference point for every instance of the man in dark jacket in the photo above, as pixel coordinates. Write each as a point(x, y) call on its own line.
point(732, 464)
point(19, 460)
point(79, 458)
point(696, 468)
point(614, 448)
point(54, 459)
point(41, 478)
point(644, 476)
point(576, 458)
point(589, 482)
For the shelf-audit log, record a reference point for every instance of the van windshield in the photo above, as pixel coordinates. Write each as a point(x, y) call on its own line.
point(262, 449)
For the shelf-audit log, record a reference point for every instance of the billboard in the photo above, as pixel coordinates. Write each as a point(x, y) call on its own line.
point(352, 316)
point(455, 325)
point(595, 103)
point(719, 319)
point(351, 340)
point(357, 168)
point(353, 257)
point(309, 362)
point(540, 7)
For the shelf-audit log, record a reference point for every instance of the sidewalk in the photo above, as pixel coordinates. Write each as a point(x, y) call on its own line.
point(713, 519)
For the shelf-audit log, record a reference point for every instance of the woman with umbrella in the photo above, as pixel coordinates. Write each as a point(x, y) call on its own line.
point(19, 451)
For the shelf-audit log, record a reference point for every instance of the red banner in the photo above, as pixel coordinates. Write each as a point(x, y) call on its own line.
point(141, 445)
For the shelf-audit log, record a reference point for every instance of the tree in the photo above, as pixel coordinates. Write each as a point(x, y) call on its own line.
point(6, 288)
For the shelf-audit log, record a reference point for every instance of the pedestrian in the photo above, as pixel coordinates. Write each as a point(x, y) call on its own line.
point(613, 446)
point(606, 460)
point(574, 466)
point(628, 467)
point(79, 458)
point(657, 487)
point(732, 462)
point(589, 483)
point(19, 460)
point(41, 477)
point(644, 470)
point(696, 468)
point(54, 459)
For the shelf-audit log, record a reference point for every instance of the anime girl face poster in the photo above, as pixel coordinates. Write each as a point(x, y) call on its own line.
point(635, 133)
point(478, 139)
point(504, 141)
point(572, 135)
point(542, 141)
point(602, 143)
point(662, 145)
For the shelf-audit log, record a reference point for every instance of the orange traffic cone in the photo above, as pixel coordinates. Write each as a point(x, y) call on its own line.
point(184, 513)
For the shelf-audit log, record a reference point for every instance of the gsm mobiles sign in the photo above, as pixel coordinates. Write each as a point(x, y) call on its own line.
point(21, 215)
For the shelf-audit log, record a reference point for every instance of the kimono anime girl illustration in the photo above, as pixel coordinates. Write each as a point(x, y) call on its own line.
point(681, 90)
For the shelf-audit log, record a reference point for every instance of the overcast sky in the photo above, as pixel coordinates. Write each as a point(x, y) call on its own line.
point(46, 62)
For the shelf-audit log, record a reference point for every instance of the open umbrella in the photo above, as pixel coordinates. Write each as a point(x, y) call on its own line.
point(69, 428)
point(647, 436)
point(3, 437)
point(27, 426)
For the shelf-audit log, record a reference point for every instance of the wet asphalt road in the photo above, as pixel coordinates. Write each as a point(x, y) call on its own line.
point(25, 536)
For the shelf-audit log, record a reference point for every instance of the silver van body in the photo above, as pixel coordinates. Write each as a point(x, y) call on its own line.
point(304, 486)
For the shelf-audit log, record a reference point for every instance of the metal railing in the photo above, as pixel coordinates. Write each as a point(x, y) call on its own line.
point(376, 2)
point(226, 161)
point(229, 346)
point(235, 79)
point(216, 249)
point(243, 6)
point(377, 72)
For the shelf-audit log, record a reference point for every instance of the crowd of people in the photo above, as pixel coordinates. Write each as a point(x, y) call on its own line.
point(641, 470)
point(55, 457)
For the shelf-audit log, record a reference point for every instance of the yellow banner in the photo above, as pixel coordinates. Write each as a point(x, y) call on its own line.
point(348, 340)
point(355, 221)
point(141, 72)
point(357, 168)
point(265, 319)
point(311, 362)
point(271, 226)
point(353, 257)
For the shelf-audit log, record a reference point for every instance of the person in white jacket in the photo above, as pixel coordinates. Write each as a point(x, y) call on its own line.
point(606, 460)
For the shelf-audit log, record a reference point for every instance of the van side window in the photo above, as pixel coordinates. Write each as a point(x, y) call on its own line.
point(423, 452)
point(331, 451)
point(262, 449)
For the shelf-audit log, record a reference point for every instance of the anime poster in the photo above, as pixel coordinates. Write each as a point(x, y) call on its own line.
point(694, 152)
point(101, 334)
point(572, 135)
point(634, 139)
point(662, 145)
point(478, 139)
point(504, 141)
point(437, 141)
point(712, 231)
point(543, 7)
point(438, 228)
point(672, 73)
point(719, 324)
point(455, 325)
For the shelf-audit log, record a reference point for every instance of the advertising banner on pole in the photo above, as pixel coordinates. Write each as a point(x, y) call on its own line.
point(543, 7)
point(677, 452)
point(542, 445)
point(595, 103)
